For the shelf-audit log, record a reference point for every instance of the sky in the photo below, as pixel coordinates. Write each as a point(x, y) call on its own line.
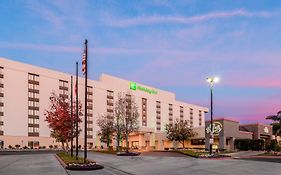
point(171, 45)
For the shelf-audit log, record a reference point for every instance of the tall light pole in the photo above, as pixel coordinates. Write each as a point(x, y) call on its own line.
point(212, 81)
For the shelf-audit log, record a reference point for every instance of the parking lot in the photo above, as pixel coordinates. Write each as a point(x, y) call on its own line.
point(146, 164)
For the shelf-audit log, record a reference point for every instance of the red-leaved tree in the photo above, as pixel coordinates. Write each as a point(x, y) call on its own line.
point(60, 120)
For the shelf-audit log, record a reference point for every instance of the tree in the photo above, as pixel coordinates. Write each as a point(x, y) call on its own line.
point(276, 123)
point(126, 118)
point(275, 118)
point(179, 131)
point(119, 112)
point(131, 123)
point(107, 130)
point(60, 120)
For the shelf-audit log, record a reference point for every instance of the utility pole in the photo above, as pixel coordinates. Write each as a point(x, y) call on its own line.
point(85, 72)
point(77, 115)
point(71, 115)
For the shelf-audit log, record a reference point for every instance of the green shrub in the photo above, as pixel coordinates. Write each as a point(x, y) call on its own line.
point(247, 144)
point(242, 144)
point(273, 146)
point(257, 145)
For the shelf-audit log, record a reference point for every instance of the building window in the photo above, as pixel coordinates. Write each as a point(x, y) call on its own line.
point(197, 142)
point(158, 116)
point(1, 100)
point(128, 104)
point(63, 89)
point(144, 112)
point(110, 103)
point(200, 118)
point(170, 114)
point(33, 105)
point(191, 118)
point(89, 112)
point(181, 114)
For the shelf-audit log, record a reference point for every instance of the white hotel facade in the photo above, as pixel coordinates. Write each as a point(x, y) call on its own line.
point(24, 98)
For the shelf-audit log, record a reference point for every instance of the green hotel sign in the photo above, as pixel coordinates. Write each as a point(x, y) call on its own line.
point(134, 86)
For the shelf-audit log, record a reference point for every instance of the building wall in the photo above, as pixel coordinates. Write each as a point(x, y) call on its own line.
point(15, 119)
point(258, 130)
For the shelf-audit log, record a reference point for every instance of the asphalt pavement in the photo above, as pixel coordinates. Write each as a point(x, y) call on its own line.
point(176, 165)
point(159, 163)
point(30, 164)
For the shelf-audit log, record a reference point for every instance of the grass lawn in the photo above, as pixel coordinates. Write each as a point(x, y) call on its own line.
point(270, 154)
point(192, 153)
point(68, 159)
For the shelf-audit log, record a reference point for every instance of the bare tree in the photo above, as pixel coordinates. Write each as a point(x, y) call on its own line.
point(126, 118)
point(107, 130)
point(179, 131)
point(130, 121)
point(120, 112)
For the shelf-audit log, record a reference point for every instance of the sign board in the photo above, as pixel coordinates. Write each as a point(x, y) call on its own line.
point(217, 128)
point(134, 86)
point(211, 141)
point(214, 146)
point(266, 130)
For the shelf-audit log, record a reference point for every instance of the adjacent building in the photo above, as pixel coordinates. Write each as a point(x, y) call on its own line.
point(24, 98)
point(226, 131)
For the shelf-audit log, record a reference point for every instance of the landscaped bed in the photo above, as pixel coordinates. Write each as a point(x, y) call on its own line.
point(122, 153)
point(270, 154)
point(71, 163)
point(105, 151)
point(201, 154)
point(128, 154)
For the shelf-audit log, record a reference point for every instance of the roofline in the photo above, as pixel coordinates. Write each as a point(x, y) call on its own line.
point(223, 119)
point(255, 124)
point(245, 132)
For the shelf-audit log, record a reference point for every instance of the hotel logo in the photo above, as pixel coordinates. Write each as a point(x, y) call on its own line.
point(134, 86)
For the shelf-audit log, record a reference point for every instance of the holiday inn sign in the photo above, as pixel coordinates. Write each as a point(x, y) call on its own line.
point(134, 86)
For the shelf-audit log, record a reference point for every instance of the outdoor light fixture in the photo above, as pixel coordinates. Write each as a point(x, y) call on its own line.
point(212, 80)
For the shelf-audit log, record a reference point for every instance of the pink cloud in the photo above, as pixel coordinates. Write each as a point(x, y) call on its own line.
point(247, 109)
point(42, 47)
point(143, 20)
point(254, 83)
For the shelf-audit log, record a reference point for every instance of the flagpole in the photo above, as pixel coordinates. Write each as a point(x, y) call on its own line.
point(71, 115)
point(86, 99)
point(76, 91)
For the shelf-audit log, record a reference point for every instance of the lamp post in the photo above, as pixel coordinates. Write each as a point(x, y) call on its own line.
point(212, 80)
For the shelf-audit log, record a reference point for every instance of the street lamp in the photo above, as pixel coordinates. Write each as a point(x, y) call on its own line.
point(212, 81)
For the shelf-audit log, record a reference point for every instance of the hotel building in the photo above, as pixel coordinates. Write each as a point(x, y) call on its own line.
point(24, 99)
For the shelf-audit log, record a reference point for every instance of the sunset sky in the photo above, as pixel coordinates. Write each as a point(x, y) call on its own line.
point(172, 45)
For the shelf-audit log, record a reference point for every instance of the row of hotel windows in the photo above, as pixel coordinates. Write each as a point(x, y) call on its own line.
point(89, 112)
point(33, 86)
point(33, 103)
point(1, 100)
point(110, 101)
point(33, 95)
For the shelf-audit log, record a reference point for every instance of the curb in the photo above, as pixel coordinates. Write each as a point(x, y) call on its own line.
point(61, 161)
point(78, 168)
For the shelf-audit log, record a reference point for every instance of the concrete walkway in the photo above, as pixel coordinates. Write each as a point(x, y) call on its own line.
point(30, 164)
point(242, 154)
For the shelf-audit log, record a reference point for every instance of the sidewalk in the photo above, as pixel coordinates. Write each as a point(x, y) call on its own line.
point(242, 154)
